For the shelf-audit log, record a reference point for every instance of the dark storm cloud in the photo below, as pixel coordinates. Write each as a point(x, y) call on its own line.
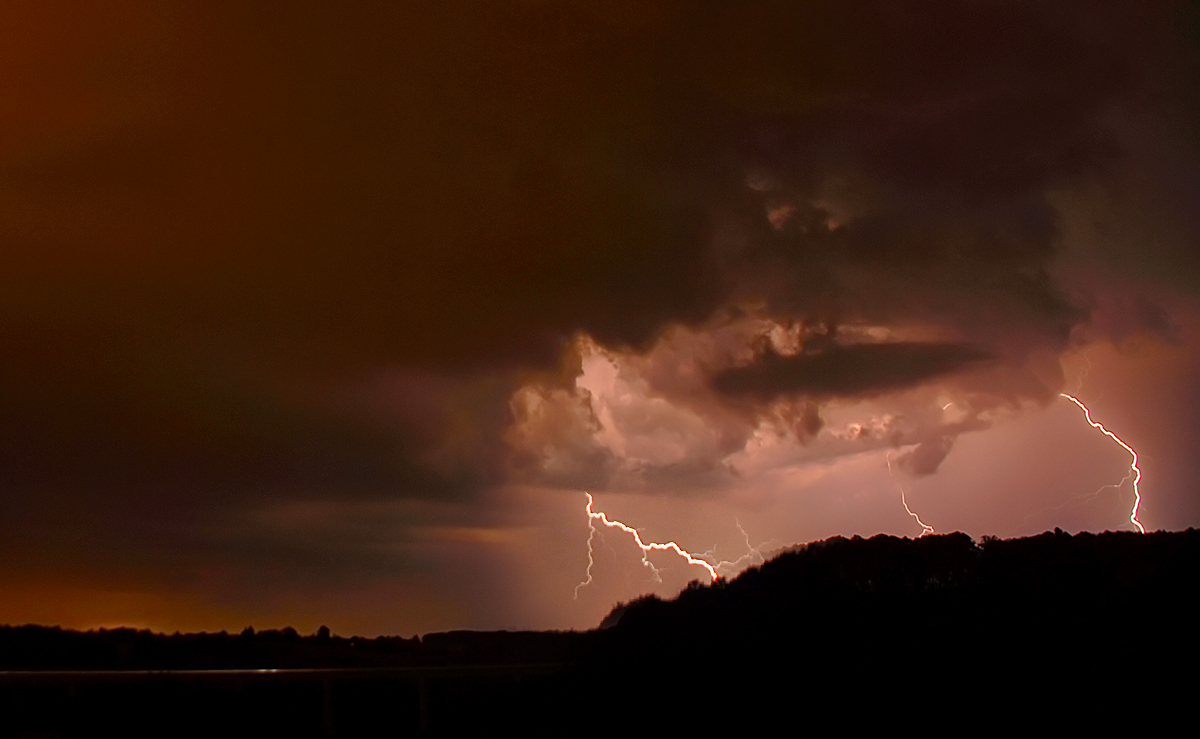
point(127, 416)
point(855, 370)
point(217, 217)
point(472, 182)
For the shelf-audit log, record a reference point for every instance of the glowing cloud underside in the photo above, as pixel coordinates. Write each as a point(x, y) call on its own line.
point(1133, 468)
point(594, 516)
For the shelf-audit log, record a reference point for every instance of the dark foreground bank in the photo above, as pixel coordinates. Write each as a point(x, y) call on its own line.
point(844, 633)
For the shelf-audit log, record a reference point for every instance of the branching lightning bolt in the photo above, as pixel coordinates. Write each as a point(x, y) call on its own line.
point(1133, 468)
point(594, 516)
point(753, 555)
point(1083, 371)
point(925, 528)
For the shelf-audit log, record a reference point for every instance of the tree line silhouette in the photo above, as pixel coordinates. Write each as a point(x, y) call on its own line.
point(878, 631)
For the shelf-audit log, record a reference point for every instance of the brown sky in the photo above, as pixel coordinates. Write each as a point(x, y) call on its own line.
point(326, 313)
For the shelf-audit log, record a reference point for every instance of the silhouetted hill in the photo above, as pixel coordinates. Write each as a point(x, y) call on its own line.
point(945, 573)
point(1009, 628)
point(848, 632)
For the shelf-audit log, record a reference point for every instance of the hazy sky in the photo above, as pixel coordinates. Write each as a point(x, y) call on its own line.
point(317, 312)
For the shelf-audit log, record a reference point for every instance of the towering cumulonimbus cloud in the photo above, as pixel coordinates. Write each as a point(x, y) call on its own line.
point(891, 208)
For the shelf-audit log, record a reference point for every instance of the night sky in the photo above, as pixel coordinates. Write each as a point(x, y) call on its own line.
point(330, 313)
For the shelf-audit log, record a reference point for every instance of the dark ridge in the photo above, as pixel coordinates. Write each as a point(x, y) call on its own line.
point(852, 633)
point(938, 628)
point(948, 573)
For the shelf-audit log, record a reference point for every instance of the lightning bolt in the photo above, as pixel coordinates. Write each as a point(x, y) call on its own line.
point(925, 528)
point(753, 555)
point(1081, 499)
point(1133, 468)
point(594, 516)
point(1085, 369)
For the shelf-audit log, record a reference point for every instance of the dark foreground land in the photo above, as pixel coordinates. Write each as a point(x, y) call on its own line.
point(939, 633)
